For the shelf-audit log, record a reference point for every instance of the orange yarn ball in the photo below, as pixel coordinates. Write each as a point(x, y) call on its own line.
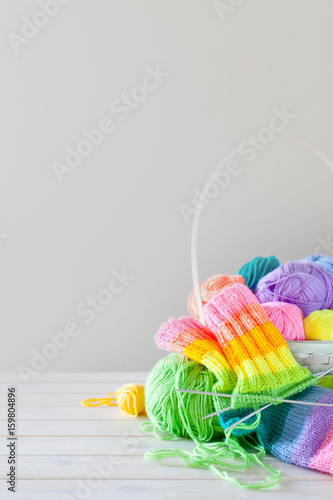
point(210, 288)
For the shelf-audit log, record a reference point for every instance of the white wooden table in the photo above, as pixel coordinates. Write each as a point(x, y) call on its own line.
point(68, 451)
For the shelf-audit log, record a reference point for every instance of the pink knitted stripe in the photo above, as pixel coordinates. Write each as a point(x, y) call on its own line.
point(323, 459)
point(187, 338)
point(240, 323)
point(228, 303)
point(182, 328)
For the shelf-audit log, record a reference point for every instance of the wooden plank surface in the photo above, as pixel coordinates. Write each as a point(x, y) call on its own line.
point(69, 428)
point(86, 389)
point(67, 451)
point(122, 377)
point(136, 467)
point(154, 489)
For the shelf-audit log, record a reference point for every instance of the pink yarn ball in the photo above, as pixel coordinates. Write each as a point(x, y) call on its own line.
point(287, 318)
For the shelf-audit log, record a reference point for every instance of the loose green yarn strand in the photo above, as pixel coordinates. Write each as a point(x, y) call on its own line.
point(173, 415)
point(212, 456)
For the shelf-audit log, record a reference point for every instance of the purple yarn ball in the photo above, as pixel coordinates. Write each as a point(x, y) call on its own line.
point(302, 283)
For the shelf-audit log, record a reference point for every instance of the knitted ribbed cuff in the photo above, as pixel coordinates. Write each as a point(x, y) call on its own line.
point(189, 337)
point(265, 367)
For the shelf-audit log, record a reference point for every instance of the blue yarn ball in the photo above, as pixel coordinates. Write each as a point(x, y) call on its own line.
point(256, 269)
point(324, 261)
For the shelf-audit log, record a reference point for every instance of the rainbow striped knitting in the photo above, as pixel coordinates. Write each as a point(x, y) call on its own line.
point(301, 435)
point(297, 434)
point(254, 348)
point(189, 337)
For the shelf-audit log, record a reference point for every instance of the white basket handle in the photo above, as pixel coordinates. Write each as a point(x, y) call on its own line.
point(195, 227)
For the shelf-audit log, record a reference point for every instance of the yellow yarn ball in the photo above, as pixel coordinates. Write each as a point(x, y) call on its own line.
point(131, 399)
point(319, 325)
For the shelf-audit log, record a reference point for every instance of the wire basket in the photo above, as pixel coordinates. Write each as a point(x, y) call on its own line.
point(316, 356)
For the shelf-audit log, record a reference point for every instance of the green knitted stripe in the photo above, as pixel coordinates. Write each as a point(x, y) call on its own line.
point(265, 390)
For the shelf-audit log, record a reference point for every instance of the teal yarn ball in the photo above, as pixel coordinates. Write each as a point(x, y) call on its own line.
point(256, 269)
point(179, 414)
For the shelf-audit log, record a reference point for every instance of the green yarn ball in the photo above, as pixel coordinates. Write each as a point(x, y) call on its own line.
point(326, 381)
point(256, 269)
point(179, 414)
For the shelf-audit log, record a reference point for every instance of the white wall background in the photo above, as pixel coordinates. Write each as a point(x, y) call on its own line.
point(60, 241)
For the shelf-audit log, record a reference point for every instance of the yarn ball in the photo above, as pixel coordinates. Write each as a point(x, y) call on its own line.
point(323, 261)
point(256, 269)
point(302, 283)
point(287, 318)
point(326, 381)
point(319, 325)
point(209, 289)
point(179, 414)
point(131, 399)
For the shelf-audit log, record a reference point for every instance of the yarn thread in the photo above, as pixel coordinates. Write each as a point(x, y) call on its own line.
point(294, 434)
point(323, 261)
point(319, 325)
point(256, 269)
point(189, 337)
point(210, 288)
point(130, 398)
point(287, 318)
point(254, 348)
point(326, 381)
point(174, 414)
point(302, 283)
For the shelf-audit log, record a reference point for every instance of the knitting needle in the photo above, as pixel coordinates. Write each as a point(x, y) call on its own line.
point(204, 392)
point(247, 416)
point(319, 375)
point(291, 401)
point(190, 391)
point(270, 404)
point(221, 394)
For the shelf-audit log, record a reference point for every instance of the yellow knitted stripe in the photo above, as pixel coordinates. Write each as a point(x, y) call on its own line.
point(209, 354)
point(200, 347)
point(260, 341)
point(275, 363)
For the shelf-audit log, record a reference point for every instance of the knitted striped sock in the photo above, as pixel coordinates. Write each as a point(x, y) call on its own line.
point(298, 434)
point(189, 337)
point(254, 348)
